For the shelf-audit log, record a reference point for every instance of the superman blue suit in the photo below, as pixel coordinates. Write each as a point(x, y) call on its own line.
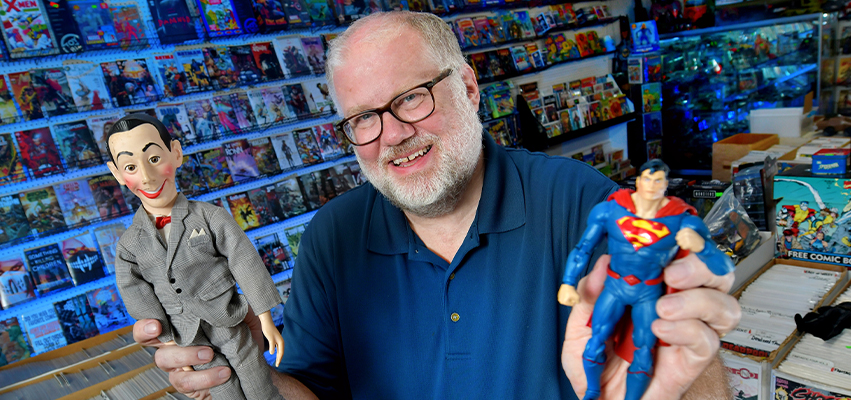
point(640, 250)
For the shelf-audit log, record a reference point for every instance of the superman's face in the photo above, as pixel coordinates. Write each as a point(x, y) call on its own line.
point(651, 186)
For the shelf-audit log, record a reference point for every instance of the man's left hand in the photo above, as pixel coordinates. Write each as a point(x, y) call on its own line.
point(691, 321)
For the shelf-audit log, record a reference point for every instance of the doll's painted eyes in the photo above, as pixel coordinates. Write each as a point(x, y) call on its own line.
point(129, 167)
point(154, 159)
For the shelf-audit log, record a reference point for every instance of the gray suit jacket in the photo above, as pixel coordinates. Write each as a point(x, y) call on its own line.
point(191, 279)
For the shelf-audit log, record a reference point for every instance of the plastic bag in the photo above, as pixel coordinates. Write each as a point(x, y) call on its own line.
point(731, 228)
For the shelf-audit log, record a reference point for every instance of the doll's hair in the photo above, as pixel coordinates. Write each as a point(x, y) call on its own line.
point(128, 122)
point(653, 166)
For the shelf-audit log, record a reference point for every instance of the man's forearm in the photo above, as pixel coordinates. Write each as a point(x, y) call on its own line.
point(290, 387)
point(712, 384)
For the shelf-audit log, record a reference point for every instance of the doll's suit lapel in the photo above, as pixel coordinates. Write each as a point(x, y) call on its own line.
point(178, 213)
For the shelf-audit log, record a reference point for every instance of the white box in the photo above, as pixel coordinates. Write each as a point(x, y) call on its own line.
point(785, 122)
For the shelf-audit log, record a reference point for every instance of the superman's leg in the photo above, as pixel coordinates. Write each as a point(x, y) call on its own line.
point(607, 312)
point(641, 370)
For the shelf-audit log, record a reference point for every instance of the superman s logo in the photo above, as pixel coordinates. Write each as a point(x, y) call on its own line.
point(641, 232)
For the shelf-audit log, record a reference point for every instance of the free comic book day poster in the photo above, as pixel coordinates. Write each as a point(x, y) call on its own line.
point(15, 284)
point(220, 67)
point(108, 309)
point(94, 18)
point(242, 211)
point(13, 220)
point(172, 75)
point(81, 255)
point(99, 126)
point(294, 237)
point(270, 15)
point(53, 92)
point(47, 268)
point(77, 145)
point(290, 198)
point(292, 57)
point(26, 96)
point(26, 29)
point(13, 343)
point(172, 21)
point(243, 61)
point(262, 209)
point(219, 18)
point(243, 110)
point(265, 59)
point(287, 152)
point(129, 82)
point(191, 62)
point(240, 161)
point(329, 144)
point(42, 209)
point(39, 152)
point(87, 86)
point(318, 93)
point(264, 154)
point(214, 168)
point(8, 112)
point(204, 119)
point(308, 148)
point(315, 52)
point(297, 12)
point(273, 253)
point(76, 317)
point(129, 28)
point(11, 168)
point(176, 120)
point(189, 178)
point(108, 197)
point(77, 203)
point(107, 238)
point(298, 101)
point(44, 330)
point(226, 115)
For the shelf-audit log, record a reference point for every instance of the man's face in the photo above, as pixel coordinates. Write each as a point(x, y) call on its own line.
point(423, 167)
point(805, 205)
point(651, 186)
point(146, 166)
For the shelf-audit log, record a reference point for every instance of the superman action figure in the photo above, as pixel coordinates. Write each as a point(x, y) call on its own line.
point(646, 230)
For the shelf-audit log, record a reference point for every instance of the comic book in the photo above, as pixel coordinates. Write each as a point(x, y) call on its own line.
point(244, 12)
point(176, 120)
point(270, 15)
point(94, 18)
point(108, 309)
point(287, 151)
point(76, 317)
point(343, 178)
point(273, 253)
point(226, 115)
point(320, 13)
point(266, 61)
point(38, 152)
point(653, 125)
point(499, 131)
point(594, 42)
point(319, 95)
point(53, 92)
point(77, 203)
point(359, 177)
point(264, 155)
point(582, 44)
point(520, 58)
point(8, 112)
point(204, 119)
point(216, 202)
point(77, 145)
point(171, 74)
point(294, 237)
point(13, 343)
point(290, 198)
point(108, 198)
point(107, 238)
point(262, 112)
point(133, 202)
point(47, 269)
point(262, 209)
point(214, 167)
point(318, 188)
point(219, 18)
point(243, 61)
point(26, 96)
point(220, 67)
point(242, 165)
point(577, 117)
point(483, 29)
point(278, 104)
point(243, 111)
point(189, 176)
point(329, 144)
point(308, 148)
point(99, 126)
point(172, 21)
point(651, 96)
point(297, 12)
point(481, 65)
point(26, 29)
point(82, 258)
point(243, 211)
point(468, 35)
point(11, 168)
point(15, 284)
point(653, 69)
point(87, 87)
point(129, 82)
point(129, 28)
point(65, 28)
point(44, 330)
point(284, 288)
point(315, 53)
point(292, 57)
point(191, 62)
point(298, 100)
point(13, 220)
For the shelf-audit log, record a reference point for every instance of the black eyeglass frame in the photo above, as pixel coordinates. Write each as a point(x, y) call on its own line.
point(388, 108)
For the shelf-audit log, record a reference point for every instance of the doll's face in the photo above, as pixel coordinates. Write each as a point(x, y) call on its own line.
point(651, 186)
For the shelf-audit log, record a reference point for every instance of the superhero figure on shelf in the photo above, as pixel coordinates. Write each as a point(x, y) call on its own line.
point(646, 230)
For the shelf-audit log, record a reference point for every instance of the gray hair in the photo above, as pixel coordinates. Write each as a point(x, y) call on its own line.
point(441, 45)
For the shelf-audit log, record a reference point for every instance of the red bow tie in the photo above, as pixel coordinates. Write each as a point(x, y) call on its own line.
point(162, 221)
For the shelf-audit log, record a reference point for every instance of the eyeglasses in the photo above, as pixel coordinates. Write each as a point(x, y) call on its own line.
point(413, 105)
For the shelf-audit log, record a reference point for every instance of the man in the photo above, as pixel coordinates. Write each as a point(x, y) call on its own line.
point(438, 278)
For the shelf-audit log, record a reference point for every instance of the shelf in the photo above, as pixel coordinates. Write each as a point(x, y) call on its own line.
point(755, 24)
point(777, 81)
point(485, 81)
point(591, 129)
point(497, 46)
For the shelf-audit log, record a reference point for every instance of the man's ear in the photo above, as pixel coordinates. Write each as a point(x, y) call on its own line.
point(472, 86)
point(177, 151)
point(115, 173)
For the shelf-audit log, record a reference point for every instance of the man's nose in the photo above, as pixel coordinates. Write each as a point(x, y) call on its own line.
point(395, 131)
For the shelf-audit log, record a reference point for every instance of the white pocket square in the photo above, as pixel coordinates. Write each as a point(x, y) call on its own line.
point(196, 232)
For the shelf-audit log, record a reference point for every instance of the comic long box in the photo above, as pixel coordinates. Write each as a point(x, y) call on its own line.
point(813, 216)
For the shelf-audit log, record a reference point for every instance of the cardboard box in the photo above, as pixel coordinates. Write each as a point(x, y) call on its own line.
point(752, 264)
point(725, 151)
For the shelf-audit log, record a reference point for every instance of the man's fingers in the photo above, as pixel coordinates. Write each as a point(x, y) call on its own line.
point(590, 286)
point(187, 382)
point(692, 334)
point(170, 358)
point(718, 310)
point(146, 331)
point(689, 272)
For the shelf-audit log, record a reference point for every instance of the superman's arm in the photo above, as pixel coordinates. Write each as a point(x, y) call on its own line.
point(579, 257)
point(717, 262)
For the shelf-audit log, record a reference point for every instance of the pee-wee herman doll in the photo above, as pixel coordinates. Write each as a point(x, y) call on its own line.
point(179, 261)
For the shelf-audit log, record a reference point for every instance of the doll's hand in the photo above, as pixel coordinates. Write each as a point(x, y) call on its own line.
point(691, 321)
point(273, 335)
point(567, 295)
point(690, 240)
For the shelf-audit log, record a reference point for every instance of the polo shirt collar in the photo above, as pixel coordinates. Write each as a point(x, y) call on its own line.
point(501, 208)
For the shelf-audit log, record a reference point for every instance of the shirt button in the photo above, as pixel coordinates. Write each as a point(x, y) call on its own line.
point(455, 317)
point(178, 291)
point(172, 280)
point(451, 276)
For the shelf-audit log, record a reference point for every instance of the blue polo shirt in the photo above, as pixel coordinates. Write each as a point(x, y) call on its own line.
point(374, 314)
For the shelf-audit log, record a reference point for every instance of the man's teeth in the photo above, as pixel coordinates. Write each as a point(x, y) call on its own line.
point(411, 157)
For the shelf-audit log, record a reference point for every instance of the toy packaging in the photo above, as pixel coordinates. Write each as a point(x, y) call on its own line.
point(813, 216)
point(645, 37)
